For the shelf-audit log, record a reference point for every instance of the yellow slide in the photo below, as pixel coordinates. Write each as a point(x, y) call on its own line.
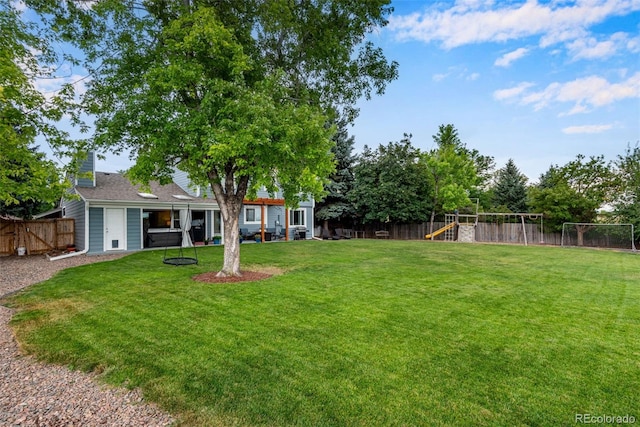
point(441, 230)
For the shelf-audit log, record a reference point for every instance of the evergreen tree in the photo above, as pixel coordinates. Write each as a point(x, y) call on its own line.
point(336, 206)
point(510, 189)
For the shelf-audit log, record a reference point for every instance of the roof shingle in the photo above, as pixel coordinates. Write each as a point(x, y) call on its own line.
point(115, 187)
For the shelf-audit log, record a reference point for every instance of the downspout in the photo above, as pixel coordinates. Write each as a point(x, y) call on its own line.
point(69, 255)
point(86, 226)
point(86, 238)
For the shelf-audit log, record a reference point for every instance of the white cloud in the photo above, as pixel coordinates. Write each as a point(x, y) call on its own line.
point(586, 129)
point(470, 22)
point(440, 77)
point(456, 72)
point(585, 93)
point(506, 59)
point(49, 87)
point(19, 5)
point(514, 92)
point(577, 109)
point(591, 48)
point(633, 44)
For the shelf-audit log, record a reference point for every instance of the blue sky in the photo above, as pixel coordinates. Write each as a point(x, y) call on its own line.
point(536, 81)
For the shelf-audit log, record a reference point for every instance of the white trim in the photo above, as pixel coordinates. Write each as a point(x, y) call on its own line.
point(86, 225)
point(152, 204)
point(123, 245)
point(304, 217)
point(258, 209)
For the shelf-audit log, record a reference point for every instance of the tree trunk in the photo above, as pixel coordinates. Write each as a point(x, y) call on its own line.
point(231, 261)
point(230, 203)
point(580, 230)
point(435, 203)
point(433, 216)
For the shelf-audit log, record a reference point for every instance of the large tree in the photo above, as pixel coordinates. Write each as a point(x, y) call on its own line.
point(391, 184)
point(574, 192)
point(510, 189)
point(236, 93)
point(29, 182)
point(337, 206)
point(627, 200)
point(452, 172)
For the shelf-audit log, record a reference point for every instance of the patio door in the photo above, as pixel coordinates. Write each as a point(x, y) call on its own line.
point(114, 227)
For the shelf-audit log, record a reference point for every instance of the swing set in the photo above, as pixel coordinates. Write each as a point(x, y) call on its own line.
point(185, 226)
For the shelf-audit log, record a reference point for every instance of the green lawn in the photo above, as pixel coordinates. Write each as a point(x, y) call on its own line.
point(359, 332)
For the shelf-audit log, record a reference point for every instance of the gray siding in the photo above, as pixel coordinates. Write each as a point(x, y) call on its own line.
point(182, 180)
point(76, 209)
point(265, 194)
point(88, 166)
point(96, 230)
point(277, 214)
point(309, 223)
point(272, 212)
point(134, 229)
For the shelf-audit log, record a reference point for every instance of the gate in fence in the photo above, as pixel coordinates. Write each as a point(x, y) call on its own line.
point(35, 237)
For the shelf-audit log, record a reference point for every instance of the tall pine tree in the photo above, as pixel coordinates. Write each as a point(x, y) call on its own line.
point(336, 206)
point(510, 190)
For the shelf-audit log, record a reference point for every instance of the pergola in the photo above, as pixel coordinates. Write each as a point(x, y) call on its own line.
point(265, 201)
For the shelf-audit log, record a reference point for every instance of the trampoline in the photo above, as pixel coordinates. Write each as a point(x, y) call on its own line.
point(185, 241)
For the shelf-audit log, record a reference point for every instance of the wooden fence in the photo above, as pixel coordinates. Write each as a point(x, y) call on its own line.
point(514, 233)
point(37, 236)
point(485, 232)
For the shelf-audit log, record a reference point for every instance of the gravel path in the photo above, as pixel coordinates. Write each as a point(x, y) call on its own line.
point(37, 394)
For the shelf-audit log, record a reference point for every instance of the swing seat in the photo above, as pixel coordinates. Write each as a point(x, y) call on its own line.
point(180, 261)
point(185, 224)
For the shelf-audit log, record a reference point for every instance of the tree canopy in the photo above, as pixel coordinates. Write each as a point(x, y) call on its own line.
point(627, 199)
point(574, 192)
point(391, 184)
point(510, 189)
point(237, 94)
point(29, 182)
point(336, 206)
point(452, 172)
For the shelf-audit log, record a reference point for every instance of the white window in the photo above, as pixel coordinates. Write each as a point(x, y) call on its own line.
point(162, 219)
point(252, 215)
point(298, 217)
point(176, 220)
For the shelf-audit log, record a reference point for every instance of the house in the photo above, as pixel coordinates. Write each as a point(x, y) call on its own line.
point(265, 215)
point(111, 214)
